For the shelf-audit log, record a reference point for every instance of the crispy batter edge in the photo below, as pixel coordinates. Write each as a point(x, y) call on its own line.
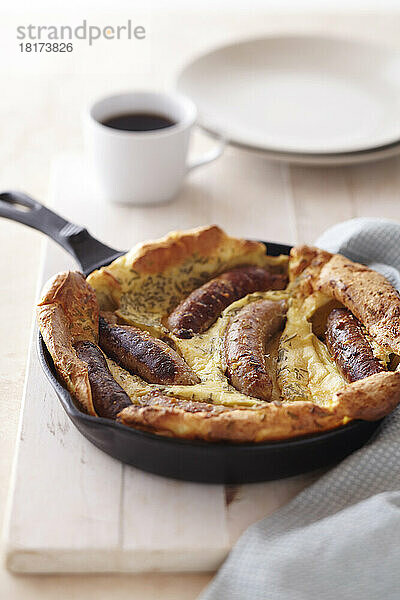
point(174, 249)
point(177, 246)
point(369, 399)
point(68, 312)
point(367, 294)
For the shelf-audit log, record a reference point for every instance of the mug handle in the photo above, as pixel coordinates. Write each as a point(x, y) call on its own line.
point(209, 156)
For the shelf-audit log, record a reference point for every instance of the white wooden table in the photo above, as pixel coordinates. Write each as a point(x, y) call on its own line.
point(244, 193)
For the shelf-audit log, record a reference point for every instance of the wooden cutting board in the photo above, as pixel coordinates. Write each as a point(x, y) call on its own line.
point(74, 508)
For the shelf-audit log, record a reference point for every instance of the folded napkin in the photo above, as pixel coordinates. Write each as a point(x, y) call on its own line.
point(339, 539)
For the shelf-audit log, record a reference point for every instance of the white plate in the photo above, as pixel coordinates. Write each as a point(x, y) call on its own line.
point(330, 160)
point(298, 94)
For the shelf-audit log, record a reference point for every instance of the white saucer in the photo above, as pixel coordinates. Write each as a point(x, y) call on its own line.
point(299, 95)
point(329, 160)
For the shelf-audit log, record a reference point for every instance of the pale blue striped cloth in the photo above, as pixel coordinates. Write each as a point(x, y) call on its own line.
point(339, 539)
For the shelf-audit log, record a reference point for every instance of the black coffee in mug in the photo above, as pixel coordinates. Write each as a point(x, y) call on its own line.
point(138, 121)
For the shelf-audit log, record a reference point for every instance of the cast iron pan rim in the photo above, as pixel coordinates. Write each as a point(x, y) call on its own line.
point(72, 411)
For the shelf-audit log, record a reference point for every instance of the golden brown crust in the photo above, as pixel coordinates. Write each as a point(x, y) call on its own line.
point(307, 257)
point(195, 420)
point(367, 294)
point(70, 291)
point(68, 312)
point(371, 398)
point(176, 247)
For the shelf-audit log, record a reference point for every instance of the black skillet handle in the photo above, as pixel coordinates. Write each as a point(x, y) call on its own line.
point(89, 252)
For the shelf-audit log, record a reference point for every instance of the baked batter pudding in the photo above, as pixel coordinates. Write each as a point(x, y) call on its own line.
point(203, 336)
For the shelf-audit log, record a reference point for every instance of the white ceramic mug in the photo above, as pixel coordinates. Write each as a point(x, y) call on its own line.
point(142, 167)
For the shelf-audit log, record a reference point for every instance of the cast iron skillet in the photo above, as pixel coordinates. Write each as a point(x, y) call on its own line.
point(181, 459)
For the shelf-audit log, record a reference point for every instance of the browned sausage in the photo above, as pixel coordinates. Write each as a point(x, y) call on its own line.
point(245, 341)
point(139, 352)
point(202, 307)
point(349, 347)
point(108, 396)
